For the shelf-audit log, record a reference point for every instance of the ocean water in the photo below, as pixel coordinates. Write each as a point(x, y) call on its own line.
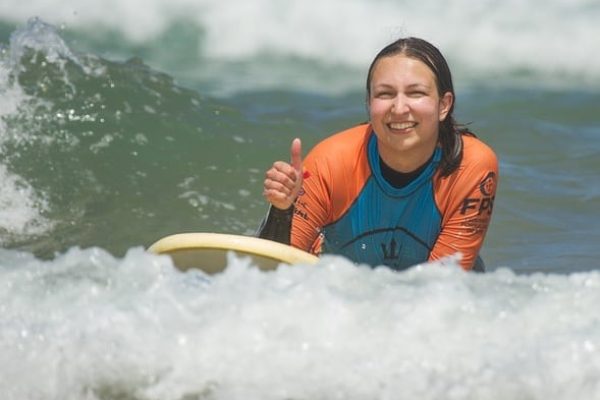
point(122, 122)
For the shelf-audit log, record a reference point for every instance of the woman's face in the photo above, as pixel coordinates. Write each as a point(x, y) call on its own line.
point(405, 111)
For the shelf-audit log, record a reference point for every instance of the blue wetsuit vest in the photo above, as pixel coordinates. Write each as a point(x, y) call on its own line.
point(385, 225)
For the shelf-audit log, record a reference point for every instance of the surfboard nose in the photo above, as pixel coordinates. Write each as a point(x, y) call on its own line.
point(208, 251)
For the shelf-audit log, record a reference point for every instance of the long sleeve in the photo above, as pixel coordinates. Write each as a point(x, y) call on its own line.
point(277, 225)
point(467, 201)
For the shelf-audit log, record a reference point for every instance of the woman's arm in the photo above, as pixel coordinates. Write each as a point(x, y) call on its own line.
point(282, 184)
point(277, 225)
point(466, 199)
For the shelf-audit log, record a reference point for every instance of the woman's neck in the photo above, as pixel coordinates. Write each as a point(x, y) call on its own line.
point(401, 179)
point(408, 161)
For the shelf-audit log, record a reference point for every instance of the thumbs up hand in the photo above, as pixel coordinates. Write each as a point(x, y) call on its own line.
point(283, 180)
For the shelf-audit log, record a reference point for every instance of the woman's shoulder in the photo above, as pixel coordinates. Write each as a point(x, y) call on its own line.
point(476, 152)
point(475, 178)
point(341, 144)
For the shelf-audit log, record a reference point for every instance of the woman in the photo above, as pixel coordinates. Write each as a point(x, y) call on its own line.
point(408, 187)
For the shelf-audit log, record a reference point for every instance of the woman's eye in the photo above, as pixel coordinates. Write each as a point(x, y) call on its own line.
point(384, 95)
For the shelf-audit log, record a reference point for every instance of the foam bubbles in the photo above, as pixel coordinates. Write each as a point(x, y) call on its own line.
point(21, 208)
point(87, 325)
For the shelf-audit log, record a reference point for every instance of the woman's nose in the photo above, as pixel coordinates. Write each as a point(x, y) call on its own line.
point(399, 106)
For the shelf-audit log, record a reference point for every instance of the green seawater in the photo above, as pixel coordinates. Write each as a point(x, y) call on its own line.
point(121, 154)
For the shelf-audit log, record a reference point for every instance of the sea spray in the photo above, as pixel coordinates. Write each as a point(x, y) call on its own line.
point(88, 325)
point(231, 47)
point(87, 136)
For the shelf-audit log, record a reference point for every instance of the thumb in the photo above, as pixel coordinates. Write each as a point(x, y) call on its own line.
point(296, 155)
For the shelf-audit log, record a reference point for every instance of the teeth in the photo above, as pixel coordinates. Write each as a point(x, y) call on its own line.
point(402, 125)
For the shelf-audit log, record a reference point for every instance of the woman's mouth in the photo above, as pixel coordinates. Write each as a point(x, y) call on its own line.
point(400, 126)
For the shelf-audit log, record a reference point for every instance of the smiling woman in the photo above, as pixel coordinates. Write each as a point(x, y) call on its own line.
point(405, 111)
point(408, 187)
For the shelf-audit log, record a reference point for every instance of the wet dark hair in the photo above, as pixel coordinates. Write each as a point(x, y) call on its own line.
point(450, 132)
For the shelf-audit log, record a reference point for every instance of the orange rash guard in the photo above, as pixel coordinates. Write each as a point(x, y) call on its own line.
point(346, 207)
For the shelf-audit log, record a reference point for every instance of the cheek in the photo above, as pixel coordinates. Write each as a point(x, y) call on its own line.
point(377, 108)
point(427, 108)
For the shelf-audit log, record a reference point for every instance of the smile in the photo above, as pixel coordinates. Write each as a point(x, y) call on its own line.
point(402, 125)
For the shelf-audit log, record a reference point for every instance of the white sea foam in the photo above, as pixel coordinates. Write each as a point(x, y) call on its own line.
point(88, 325)
point(21, 206)
point(554, 42)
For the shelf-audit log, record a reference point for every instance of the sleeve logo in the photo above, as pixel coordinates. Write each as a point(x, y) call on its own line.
point(487, 186)
point(485, 203)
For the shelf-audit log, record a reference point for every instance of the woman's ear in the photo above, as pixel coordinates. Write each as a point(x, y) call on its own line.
point(445, 105)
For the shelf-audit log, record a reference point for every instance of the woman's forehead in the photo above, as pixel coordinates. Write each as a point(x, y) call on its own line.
point(401, 67)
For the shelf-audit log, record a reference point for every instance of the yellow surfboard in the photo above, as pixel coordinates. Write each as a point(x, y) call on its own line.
point(208, 251)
